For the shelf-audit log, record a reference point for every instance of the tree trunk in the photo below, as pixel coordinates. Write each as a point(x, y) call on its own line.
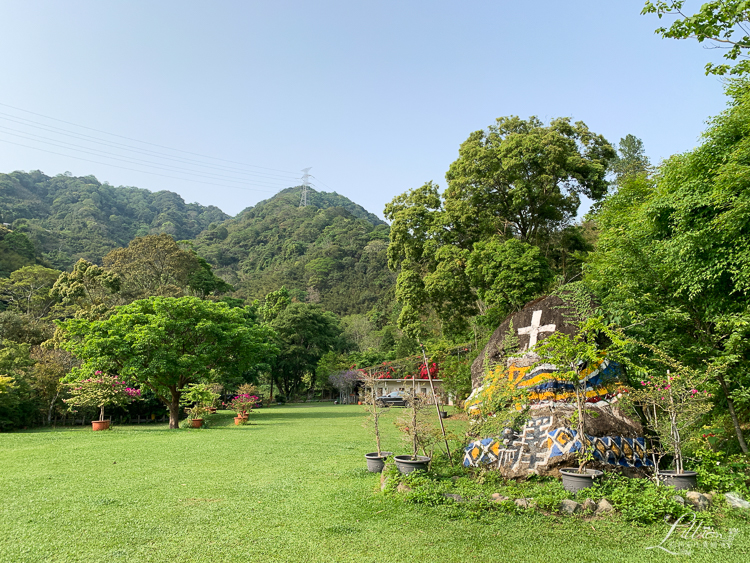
point(101, 413)
point(730, 408)
point(174, 408)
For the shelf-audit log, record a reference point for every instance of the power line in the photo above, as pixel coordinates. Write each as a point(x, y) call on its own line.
point(134, 170)
point(138, 161)
point(322, 182)
point(139, 141)
point(121, 146)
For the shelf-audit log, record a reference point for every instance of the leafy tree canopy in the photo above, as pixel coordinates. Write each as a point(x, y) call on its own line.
point(156, 265)
point(720, 22)
point(305, 333)
point(486, 243)
point(165, 343)
point(673, 257)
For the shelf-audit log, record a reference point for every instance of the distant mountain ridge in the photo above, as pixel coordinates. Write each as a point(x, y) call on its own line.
point(316, 199)
point(68, 217)
point(332, 252)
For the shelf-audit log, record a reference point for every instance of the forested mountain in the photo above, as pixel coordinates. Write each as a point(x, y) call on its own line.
point(16, 251)
point(319, 200)
point(332, 252)
point(68, 218)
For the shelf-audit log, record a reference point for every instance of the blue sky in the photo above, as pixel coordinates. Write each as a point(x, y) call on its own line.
point(375, 96)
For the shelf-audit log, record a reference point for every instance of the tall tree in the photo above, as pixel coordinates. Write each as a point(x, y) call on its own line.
point(518, 180)
point(305, 333)
point(673, 257)
point(630, 158)
point(29, 291)
point(89, 289)
point(165, 343)
point(156, 265)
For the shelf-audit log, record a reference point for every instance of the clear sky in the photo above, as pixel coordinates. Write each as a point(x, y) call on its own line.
point(375, 96)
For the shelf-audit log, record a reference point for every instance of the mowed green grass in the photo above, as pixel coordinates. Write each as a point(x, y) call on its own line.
point(289, 487)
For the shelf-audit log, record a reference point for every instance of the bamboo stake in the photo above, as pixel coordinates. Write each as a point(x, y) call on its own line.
point(437, 407)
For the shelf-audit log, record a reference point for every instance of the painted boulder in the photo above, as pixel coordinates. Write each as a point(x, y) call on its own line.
point(548, 437)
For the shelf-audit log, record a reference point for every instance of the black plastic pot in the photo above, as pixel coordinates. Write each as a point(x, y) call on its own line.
point(375, 462)
point(406, 464)
point(680, 481)
point(443, 414)
point(574, 481)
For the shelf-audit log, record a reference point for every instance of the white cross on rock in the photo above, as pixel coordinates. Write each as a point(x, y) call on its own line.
point(535, 328)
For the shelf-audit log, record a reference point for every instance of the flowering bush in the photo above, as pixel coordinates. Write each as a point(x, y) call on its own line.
point(100, 391)
point(672, 402)
point(242, 404)
point(404, 371)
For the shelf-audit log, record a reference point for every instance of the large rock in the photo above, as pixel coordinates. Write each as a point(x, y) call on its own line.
point(537, 320)
point(735, 501)
point(698, 500)
point(547, 442)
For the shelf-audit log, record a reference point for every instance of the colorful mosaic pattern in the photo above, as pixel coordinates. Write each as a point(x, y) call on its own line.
point(537, 444)
point(600, 379)
point(615, 450)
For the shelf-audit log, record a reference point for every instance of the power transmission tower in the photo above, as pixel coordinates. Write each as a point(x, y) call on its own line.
point(305, 185)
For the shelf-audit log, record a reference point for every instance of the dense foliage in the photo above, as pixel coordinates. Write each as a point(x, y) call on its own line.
point(331, 255)
point(673, 257)
point(67, 218)
point(489, 243)
point(166, 343)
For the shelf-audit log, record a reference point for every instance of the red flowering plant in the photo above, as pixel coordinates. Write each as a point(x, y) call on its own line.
point(673, 402)
point(101, 391)
point(242, 404)
point(433, 372)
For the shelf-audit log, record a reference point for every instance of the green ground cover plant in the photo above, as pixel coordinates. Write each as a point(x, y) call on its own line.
point(291, 487)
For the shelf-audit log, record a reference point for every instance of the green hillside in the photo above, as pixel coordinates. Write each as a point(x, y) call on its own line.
point(332, 252)
point(316, 199)
point(68, 218)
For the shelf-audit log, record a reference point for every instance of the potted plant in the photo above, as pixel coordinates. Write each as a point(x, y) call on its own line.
point(417, 431)
point(197, 398)
point(250, 389)
point(375, 460)
point(673, 402)
point(242, 404)
point(217, 389)
point(100, 391)
point(571, 355)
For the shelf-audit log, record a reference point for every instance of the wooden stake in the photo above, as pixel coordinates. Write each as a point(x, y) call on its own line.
point(437, 407)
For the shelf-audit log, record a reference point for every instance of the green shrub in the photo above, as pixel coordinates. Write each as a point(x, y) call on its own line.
point(639, 500)
point(720, 472)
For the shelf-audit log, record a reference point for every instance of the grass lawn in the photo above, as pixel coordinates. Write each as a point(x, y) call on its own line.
point(290, 487)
